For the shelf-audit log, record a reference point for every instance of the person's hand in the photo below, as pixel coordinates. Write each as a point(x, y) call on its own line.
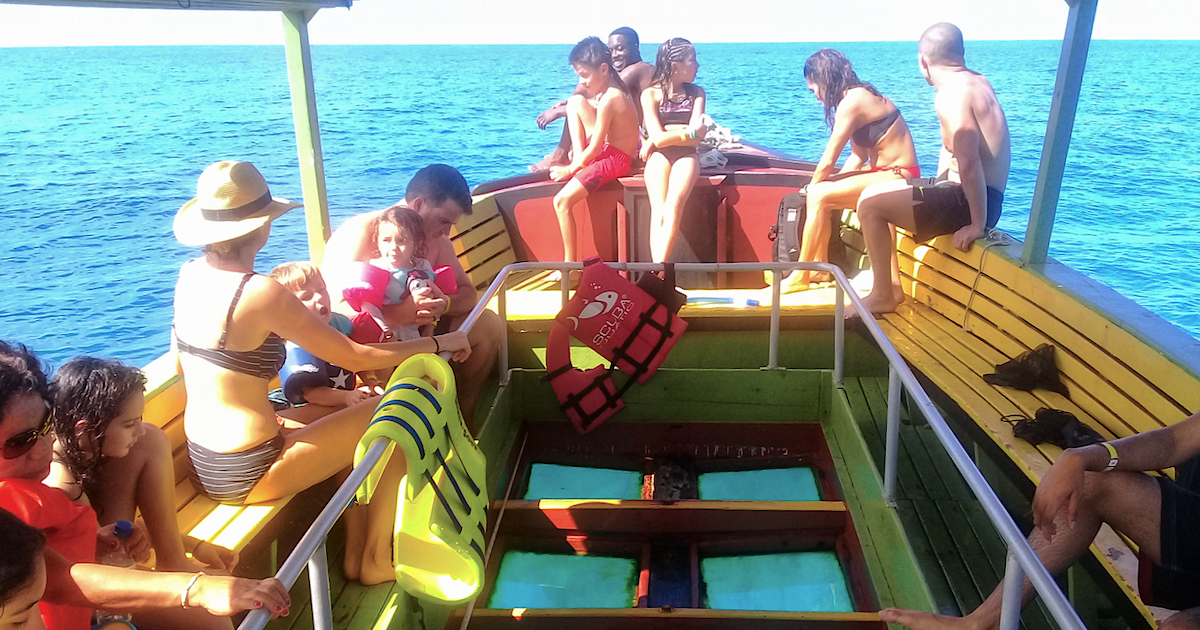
point(431, 300)
point(558, 110)
point(224, 596)
point(563, 173)
point(351, 397)
point(456, 342)
point(647, 149)
point(137, 546)
point(370, 386)
point(409, 312)
point(218, 558)
point(967, 235)
point(1061, 488)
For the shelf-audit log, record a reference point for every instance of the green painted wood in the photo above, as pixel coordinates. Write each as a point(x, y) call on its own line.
point(301, 617)
point(308, 132)
point(685, 395)
point(890, 560)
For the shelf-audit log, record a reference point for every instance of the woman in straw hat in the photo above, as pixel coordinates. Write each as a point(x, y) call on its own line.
point(230, 327)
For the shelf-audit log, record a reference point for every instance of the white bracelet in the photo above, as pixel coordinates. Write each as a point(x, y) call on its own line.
point(183, 599)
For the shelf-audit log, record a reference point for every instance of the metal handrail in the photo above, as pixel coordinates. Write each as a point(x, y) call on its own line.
point(1022, 561)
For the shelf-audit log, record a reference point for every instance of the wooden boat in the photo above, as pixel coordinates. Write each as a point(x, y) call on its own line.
point(927, 531)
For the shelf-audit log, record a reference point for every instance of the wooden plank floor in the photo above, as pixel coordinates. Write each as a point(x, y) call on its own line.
point(959, 552)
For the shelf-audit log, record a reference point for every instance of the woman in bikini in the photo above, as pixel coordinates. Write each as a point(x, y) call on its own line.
point(673, 107)
point(230, 327)
point(881, 149)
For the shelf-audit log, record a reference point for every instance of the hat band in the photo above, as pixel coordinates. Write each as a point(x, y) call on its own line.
point(238, 213)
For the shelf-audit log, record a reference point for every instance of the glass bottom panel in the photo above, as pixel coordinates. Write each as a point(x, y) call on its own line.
point(551, 481)
point(539, 580)
point(788, 582)
point(773, 484)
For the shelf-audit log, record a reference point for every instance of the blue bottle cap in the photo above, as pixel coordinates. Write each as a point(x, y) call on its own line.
point(123, 529)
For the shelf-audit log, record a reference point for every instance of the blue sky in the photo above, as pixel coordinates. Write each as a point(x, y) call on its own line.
point(527, 21)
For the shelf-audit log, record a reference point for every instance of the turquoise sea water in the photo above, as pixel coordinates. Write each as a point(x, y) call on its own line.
point(100, 146)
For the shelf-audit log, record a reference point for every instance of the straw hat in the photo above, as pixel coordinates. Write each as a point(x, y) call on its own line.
point(232, 199)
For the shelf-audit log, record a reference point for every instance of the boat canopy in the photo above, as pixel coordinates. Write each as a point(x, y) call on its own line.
point(202, 5)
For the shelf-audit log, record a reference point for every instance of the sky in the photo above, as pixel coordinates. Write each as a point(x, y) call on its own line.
point(529, 22)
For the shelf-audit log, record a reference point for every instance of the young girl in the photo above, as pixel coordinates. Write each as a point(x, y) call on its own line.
point(881, 149)
point(399, 238)
point(603, 122)
point(673, 107)
point(106, 457)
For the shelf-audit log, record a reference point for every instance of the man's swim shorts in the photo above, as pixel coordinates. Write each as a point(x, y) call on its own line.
point(941, 207)
point(1175, 583)
point(608, 166)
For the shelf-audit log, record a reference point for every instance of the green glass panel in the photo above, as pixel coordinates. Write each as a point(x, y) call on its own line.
point(773, 484)
point(538, 580)
point(789, 582)
point(551, 481)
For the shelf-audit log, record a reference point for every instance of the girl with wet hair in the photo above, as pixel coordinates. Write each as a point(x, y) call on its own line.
point(881, 149)
point(673, 108)
point(22, 572)
point(107, 458)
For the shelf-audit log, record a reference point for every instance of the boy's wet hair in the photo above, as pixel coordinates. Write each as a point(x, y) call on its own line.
point(592, 53)
point(88, 393)
point(630, 35)
point(23, 545)
point(294, 276)
point(438, 182)
point(830, 70)
point(409, 223)
point(20, 373)
point(674, 50)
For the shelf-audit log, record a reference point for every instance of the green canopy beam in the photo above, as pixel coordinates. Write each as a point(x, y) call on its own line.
point(308, 132)
point(1071, 64)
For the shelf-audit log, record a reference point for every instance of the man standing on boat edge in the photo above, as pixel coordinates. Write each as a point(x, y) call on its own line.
point(966, 196)
point(440, 195)
point(1106, 483)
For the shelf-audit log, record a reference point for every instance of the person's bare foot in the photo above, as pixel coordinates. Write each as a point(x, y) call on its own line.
point(558, 158)
point(377, 567)
point(878, 303)
point(917, 620)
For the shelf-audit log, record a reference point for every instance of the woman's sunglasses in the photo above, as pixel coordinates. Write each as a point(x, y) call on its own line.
point(23, 442)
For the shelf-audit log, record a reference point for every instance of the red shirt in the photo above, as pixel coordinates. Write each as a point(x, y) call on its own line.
point(70, 529)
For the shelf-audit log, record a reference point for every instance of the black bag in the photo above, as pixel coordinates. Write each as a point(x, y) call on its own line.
point(1034, 369)
point(785, 234)
point(663, 288)
point(1058, 427)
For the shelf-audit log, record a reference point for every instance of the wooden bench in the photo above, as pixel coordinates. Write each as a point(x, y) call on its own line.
point(232, 527)
point(1117, 383)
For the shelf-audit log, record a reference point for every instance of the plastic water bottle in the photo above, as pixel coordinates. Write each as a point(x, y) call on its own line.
point(117, 557)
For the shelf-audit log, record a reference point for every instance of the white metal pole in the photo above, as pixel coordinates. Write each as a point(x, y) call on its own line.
point(892, 448)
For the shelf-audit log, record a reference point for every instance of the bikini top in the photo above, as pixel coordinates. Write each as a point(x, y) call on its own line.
point(869, 134)
point(262, 362)
point(676, 112)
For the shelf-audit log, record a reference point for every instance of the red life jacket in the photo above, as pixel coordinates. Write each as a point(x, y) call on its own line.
point(631, 328)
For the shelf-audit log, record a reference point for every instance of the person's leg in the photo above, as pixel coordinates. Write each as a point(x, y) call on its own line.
point(376, 566)
point(680, 182)
point(315, 453)
point(881, 207)
point(145, 480)
point(823, 199)
point(1129, 502)
point(470, 374)
point(570, 194)
point(581, 119)
point(657, 175)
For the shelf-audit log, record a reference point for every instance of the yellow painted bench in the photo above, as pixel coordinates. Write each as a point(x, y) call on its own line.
point(232, 527)
point(1116, 383)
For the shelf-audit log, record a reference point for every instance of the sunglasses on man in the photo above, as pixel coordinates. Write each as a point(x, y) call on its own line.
point(24, 441)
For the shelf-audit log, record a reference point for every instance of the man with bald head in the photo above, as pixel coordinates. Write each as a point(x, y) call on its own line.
point(966, 196)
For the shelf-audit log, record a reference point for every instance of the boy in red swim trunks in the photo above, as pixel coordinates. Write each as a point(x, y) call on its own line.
point(603, 122)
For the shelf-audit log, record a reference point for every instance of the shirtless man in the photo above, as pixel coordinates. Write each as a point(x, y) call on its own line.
point(439, 194)
point(1104, 483)
point(627, 61)
point(972, 168)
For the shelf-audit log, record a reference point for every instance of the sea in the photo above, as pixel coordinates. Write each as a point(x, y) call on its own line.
point(99, 147)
